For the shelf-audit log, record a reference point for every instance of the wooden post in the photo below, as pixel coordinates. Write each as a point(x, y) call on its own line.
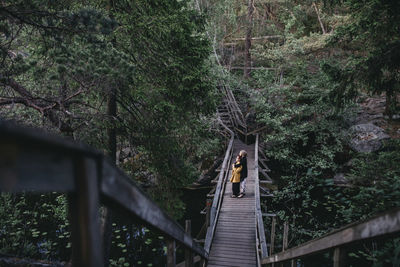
point(285, 235)
point(208, 206)
point(188, 252)
point(272, 247)
point(84, 214)
point(339, 257)
point(171, 256)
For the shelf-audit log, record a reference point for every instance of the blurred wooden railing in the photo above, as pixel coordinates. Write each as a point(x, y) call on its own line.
point(31, 160)
point(384, 224)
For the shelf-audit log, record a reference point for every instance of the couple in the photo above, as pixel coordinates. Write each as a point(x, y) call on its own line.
point(239, 175)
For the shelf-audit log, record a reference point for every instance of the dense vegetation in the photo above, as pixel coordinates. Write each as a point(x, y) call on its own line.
point(137, 80)
point(130, 78)
point(314, 63)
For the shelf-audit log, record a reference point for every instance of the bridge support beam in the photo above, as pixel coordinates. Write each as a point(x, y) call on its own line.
point(171, 256)
point(188, 252)
point(84, 215)
point(339, 257)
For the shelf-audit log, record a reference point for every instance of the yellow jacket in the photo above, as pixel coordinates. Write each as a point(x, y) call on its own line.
point(237, 168)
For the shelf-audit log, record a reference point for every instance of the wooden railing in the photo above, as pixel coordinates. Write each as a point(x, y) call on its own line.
point(234, 109)
point(31, 160)
point(261, 245)
point(218, 195)
point(385, 224)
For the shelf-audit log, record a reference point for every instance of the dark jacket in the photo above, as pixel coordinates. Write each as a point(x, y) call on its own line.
point(243, 173)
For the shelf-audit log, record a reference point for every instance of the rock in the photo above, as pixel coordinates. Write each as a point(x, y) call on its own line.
point(366, 137)
point(339, 178)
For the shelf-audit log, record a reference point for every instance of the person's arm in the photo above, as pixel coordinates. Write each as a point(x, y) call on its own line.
point(239, 168)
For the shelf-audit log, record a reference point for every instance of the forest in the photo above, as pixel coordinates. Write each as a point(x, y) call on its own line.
point(140, 81)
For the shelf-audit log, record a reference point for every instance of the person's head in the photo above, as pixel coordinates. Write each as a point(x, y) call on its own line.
point(242, 153)
point(238, 158)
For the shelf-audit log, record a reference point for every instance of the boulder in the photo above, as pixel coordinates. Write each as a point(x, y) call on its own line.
point(339, 178)
point(366, 137)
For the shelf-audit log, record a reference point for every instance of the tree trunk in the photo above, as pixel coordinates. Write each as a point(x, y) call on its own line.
point(390, 102)
point(247, 55)
point(112, 153)
point(319, 18)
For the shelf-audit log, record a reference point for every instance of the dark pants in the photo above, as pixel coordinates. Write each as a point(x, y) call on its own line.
point(236, 188)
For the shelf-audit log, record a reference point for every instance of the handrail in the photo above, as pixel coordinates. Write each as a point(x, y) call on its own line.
point(218, 195)
point(258, 212)
point(233, 107)
point(382, 224)
point(238, 113)
point(31, 160)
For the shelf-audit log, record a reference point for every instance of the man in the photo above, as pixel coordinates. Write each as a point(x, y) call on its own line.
point(243, 173)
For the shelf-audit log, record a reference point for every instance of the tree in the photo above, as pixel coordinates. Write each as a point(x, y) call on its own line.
point(374, 28)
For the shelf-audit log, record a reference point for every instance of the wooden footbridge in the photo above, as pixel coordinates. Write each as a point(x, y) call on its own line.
point(235, 237)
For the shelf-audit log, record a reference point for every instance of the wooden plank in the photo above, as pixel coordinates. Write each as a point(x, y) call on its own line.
point(244, 249)
point(222, 249)
point(245, 228)
point(233, 241)
point(264, 164)
point(171, 255)
point(265, 174)
point(339, 257)
point(272, 247)
point(84, 213)
point(269, 214)
point(285, 236)
point(230, 263)
point(234, 247)
point(235, 260)
point(238, 224)
point(235, 238)
point(118, 188)
point(383, 224)
point(219, 264)
point(32, 167)
point(234, 254)
point(244, 222)
point(188, 253)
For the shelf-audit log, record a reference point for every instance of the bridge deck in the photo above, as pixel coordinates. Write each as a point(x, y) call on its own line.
point(234, 243)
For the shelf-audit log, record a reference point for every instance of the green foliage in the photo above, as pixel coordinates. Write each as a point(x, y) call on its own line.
point(61, 62)
point(34, 226)
point(372, 36)
point(377, 177)
point(303, 139)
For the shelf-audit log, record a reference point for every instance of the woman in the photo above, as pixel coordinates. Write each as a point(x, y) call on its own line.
point(235, 178)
